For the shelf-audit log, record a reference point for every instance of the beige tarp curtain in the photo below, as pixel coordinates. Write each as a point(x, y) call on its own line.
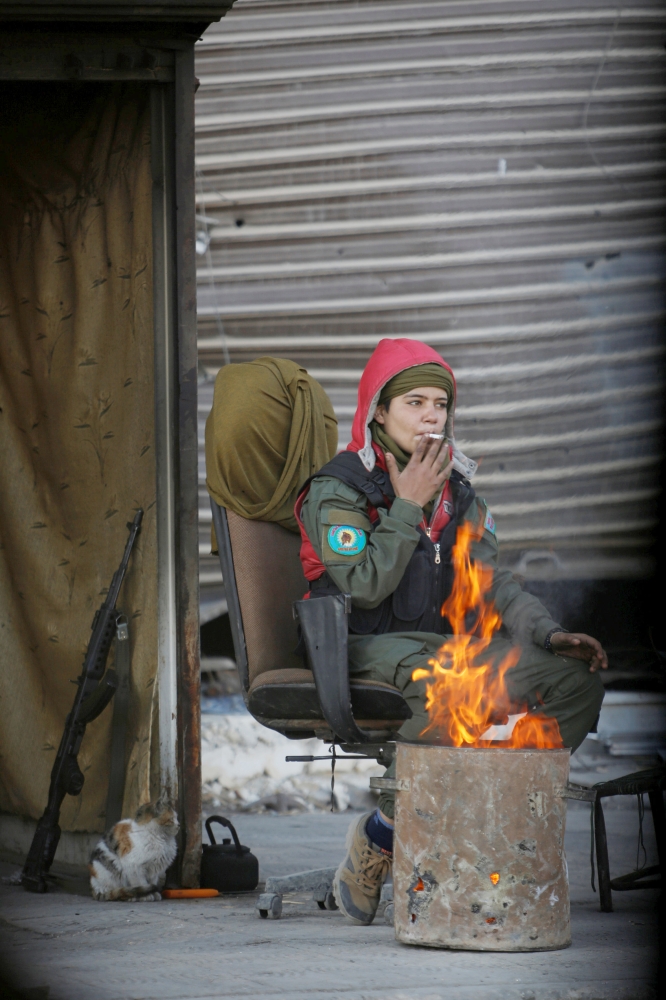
point(76, 427)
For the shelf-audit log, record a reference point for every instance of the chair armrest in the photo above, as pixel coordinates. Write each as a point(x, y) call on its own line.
point(323, 623)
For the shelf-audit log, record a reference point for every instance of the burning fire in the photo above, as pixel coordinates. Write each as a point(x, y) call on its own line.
point(465, 692)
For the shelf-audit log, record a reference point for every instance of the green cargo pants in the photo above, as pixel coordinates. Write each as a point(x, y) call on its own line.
point(564, 687)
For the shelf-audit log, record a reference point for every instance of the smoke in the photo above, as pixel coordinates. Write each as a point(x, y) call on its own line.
point(569, 602)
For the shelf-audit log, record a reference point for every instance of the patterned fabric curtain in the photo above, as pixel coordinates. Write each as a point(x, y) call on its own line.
point(76, 427)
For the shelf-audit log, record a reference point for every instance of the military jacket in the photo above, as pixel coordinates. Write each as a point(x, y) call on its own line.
point(390, 544)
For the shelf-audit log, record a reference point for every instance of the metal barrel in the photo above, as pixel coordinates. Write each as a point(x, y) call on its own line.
point(479, 859)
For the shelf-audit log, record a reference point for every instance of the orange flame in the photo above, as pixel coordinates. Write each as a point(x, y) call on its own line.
point(466, 691)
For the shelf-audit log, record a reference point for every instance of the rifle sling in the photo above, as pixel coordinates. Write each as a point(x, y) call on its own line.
point(116, 792)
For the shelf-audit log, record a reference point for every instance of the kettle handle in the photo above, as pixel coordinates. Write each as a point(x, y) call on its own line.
point(223, 822)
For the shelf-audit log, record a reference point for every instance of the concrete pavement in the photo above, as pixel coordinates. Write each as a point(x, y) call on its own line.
point(65, 946)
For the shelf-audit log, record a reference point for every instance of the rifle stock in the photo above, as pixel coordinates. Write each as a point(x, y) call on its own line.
point(95, 689)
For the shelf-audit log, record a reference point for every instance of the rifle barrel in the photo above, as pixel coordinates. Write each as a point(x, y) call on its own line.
point(119, 575)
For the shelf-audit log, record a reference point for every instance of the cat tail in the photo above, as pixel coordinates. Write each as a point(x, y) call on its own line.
point(130, 894)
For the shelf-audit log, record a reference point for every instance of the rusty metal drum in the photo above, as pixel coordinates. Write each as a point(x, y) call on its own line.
point(479, 859)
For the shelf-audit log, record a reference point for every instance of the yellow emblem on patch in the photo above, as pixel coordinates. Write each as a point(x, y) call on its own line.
point(345, 540)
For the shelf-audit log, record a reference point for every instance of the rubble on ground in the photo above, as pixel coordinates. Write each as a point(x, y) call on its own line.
point(244, 770)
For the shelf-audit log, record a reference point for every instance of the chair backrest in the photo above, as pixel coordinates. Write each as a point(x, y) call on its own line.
point(269, 578)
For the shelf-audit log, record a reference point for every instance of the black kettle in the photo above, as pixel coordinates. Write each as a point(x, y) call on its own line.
point(227, 867)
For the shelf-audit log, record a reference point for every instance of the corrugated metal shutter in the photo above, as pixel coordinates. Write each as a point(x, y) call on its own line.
point(485, 176)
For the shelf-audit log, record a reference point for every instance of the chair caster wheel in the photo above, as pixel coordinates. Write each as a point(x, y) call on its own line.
point(324, 898)
point(329, 902)
point(269, 906)
point(388, 914)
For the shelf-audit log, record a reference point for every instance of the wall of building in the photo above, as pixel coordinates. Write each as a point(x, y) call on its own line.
point(487, 176)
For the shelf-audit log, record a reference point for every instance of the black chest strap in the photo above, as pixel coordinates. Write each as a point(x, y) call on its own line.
point(349, 469)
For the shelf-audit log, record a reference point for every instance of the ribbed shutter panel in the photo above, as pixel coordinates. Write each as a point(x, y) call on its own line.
point(485, 176)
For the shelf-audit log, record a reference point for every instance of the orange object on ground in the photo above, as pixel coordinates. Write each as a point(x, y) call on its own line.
point(189, 893)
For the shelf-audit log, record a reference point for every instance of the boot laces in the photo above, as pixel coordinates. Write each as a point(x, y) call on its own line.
point(373, 867)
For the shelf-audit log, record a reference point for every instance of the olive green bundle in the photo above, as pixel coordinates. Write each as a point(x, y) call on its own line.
point(271, 427)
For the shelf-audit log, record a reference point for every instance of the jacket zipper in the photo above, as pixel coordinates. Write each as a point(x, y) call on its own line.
point(436, 546)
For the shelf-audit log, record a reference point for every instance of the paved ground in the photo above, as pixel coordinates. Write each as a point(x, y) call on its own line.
point(65, 946)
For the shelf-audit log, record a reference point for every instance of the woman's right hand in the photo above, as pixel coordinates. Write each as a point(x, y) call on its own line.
point(423, 476)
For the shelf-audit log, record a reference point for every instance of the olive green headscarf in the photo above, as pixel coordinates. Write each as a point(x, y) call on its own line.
point(417, 377)
point(271, 427)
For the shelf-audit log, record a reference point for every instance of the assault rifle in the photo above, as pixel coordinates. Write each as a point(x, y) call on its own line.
point(94, 692)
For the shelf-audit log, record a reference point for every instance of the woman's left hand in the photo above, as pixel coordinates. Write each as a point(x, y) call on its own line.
point(580, 647)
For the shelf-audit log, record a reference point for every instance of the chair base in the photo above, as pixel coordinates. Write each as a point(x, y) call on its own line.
point(318, 881)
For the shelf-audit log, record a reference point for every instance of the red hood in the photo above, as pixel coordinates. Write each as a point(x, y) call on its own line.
point(389, 358)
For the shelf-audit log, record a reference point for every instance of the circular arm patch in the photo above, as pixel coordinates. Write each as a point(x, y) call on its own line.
point(345, 540)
